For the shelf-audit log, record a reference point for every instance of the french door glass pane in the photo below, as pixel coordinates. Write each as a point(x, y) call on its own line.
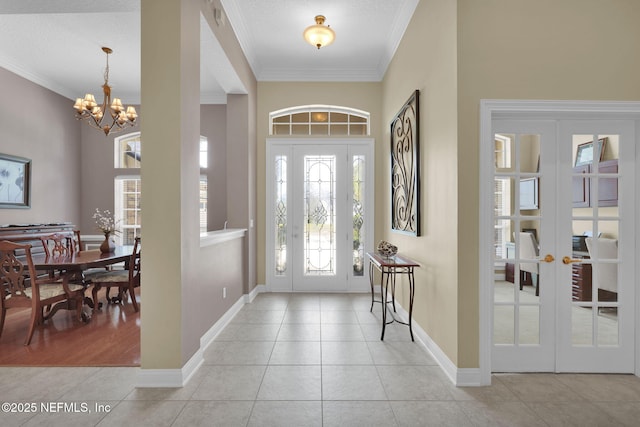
point(517, 213)
point(280, 215)
point(595, 229)
point(319, 215)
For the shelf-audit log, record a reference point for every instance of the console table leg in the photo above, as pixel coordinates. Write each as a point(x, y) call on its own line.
point(412, 289)
point(384, 291)
point(371, 284)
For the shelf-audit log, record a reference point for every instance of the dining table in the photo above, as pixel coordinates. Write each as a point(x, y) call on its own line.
point(72, 266)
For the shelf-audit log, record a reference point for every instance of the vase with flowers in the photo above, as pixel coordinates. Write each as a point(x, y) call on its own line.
point(107, 225)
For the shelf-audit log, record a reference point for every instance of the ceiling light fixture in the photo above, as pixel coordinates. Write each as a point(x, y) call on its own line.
point(319, 35)
point(87, 109)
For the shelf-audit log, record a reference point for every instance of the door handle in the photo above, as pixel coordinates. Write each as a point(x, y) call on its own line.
point(569, 260)
point(548, 258)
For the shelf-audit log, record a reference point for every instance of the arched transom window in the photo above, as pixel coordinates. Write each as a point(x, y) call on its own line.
point(319, 120)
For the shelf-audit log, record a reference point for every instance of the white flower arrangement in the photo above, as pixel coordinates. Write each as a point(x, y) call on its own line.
point(106, 222)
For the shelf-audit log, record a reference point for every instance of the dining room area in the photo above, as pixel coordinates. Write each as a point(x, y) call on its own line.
point(66, 302)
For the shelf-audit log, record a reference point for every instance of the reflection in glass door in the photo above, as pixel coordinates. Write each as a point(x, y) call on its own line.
point(523, 302)
point(595, 317)
point(563, 294)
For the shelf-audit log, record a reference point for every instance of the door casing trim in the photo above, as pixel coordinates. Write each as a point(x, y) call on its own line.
point(491, 109)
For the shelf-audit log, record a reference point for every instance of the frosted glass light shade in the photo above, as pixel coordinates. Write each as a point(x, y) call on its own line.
point(319, 35)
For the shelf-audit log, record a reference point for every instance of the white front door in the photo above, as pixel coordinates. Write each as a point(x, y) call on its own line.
point(319, 214)
point(564, 246)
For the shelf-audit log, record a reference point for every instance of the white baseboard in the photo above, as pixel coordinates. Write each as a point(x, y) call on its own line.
point(458, 376)
point(248, 298)
point(163, 378)
point(150, 378)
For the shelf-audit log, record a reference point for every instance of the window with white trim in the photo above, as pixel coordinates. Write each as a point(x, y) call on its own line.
point(319, 120)
point(127, 188)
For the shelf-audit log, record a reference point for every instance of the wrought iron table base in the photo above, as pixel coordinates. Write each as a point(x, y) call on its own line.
point(389, 268)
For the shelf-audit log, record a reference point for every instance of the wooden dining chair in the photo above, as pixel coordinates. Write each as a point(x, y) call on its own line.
point(126, 280)
point(20, 286)
point(58, 245)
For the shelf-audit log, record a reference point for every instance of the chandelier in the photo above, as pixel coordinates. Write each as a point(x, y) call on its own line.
point(87, 109)
point(319, 35)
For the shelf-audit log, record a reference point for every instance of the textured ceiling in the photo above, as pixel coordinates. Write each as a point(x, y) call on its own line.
point(56, 43)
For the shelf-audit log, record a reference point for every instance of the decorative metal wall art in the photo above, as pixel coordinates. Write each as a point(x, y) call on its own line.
point(405, 168)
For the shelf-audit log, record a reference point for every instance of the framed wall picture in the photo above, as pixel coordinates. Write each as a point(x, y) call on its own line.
point(405, 168)
point(585, 152)
point(15, 182)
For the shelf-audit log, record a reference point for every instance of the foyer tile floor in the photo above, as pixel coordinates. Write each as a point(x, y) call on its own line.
point(316, 360)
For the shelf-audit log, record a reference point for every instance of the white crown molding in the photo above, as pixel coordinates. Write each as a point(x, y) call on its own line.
point(236, 19)
point(398, 28)
point(9, 65)
point(319, 75)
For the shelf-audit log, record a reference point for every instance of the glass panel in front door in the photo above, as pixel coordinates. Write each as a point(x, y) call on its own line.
point(319, 215)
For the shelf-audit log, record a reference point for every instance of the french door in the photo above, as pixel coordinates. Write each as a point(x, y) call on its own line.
point(563, 246)
point(319, 214)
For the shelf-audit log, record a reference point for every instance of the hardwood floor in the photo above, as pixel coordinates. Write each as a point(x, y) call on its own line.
point(111, 338)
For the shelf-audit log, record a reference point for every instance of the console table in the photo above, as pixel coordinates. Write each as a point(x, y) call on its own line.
point(389, 268)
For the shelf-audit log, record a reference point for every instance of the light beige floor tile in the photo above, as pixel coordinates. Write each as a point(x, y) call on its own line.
point(605, 388)
point(42, 384)
point(296, 353)
point(346, 353)
point(299, 332)
point(259, 316)
point(80, 414)
point(214, 351)
point(214, 414)
point(351, 383)
point(257, 332)
point(413, 383)
point(302, 316)
point(429, 413)
point(399, 353)
point(17, 418)
point(244, 353)
point(338, 317)
point(539, 388)
point(304, 302)
point(501, 414)
point(143, 413)
point(291, 383)
point(578, 414)
point(227, 334)
point(105, 384)
point(230, 383)
point(335, 302)
point(357, 414)
point(268, 302)
point(286, 413)
point(627, 413)
point(366, 317)
point(345, 332)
